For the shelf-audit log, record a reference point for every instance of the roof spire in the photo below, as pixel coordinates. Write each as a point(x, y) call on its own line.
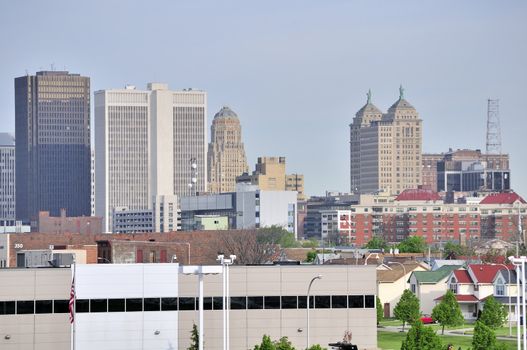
point(401, 92)
point(369, 96)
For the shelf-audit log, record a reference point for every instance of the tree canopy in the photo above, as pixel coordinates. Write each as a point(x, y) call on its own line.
point(494, 314)
point(376, 243)
point(448, 312)
point(420, 337)
point(407, 309)
point(412, 244)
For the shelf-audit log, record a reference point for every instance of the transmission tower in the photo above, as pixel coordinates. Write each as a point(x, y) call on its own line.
point(493, 127)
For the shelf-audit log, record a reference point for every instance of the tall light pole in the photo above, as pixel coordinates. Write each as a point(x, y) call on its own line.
point(520, 266)
point(226, 262)
point(404, 270)
point(308, 290)
point(200, 271)
point(509, 294)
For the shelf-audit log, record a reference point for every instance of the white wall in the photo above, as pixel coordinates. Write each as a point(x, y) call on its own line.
point(120, 330)
point(274, 207)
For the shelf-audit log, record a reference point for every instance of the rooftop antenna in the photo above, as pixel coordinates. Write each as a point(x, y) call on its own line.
point(52, 67)
point(493, 145)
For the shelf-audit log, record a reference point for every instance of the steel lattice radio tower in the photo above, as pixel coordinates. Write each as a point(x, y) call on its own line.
point(493, 127)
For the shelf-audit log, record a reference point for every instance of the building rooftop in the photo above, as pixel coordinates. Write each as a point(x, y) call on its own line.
point(225, 112)
point(485, 273)
point(434, 276)
point(6, 139)
point(418, 195)
point(463, 277)
point(502, 198)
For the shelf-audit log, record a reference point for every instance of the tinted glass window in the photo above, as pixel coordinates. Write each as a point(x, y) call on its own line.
point(98, 305)
point(369, 301)
point(61, 306)
point(187, 303)
point(289, 302)
point(116, 305)
point(322, 302)
point(272, 302)
point(43, 306)
point(217, 303)
point(356, 301)
point(207, 303)
point(238, 303)
point(7, 307)
point(134, 304)
point(25, 307)
point(168, 304)
point(82, 305)
point(254, 303)
point(152, 304)
point(339, 301)
point(302, 302)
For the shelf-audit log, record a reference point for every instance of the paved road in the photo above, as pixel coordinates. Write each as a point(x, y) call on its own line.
point(453, 332)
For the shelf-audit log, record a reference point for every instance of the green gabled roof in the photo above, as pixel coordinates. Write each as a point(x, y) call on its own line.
point(434, 276)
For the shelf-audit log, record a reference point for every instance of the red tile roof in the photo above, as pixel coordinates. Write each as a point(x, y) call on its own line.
point(463, 298)
point(418, 195)
point(462, 276)
point(502, 198)
point(485, 273)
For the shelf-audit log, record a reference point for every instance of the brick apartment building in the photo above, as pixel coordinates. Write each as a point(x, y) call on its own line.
point(424, 213)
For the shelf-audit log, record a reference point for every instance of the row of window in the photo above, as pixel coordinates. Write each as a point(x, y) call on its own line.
point(24, 307)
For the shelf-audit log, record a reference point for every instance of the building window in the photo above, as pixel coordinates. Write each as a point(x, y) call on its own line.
point(453, 285)
point(500, 287)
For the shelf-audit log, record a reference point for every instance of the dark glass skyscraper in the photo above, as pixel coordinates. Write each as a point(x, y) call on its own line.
point(52, 112)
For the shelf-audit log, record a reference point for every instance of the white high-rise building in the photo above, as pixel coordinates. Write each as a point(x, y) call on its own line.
point(7, 180)
point(144, 143)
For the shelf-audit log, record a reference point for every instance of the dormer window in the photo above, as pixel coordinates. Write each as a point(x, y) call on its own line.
point(453, 285)
point(500, 287)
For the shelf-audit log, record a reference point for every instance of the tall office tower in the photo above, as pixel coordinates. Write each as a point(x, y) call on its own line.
point(92, 172)
point(145, 141)
point(7, 180)
point(53, 144)
point(226, 155)
point(385, 149)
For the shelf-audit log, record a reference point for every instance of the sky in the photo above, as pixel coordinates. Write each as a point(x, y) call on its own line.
point(295, 71)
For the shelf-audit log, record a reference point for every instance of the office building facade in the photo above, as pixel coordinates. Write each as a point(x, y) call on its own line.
point(385, 148)
point(146, 142)
point(52, 112)
point(226, 153)
point(7, 180)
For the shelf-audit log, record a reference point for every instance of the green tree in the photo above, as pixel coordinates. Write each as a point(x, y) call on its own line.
point(407, 309)
point(266, 344)
point(376, 243)
point(380, 311)
point(453, 250)
point(484, 337)
point(194, 338)
point(412, 244)
point(283, 344)
point(448, 312)
point(311, 256)
point(277, 235)
point(310, 243)
point(420, 337)
point(316, 347)
point(493, 314)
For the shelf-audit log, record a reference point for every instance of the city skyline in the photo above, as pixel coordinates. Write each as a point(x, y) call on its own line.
point(303, 67)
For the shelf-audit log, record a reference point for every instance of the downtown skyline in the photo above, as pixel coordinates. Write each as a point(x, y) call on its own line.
point(305, 68)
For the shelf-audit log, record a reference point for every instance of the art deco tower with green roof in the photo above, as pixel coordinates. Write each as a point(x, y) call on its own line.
point(385, 148)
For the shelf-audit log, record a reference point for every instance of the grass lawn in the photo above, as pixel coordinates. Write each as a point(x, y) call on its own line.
point(501, 332)
point(392, 341)
point(393, 322)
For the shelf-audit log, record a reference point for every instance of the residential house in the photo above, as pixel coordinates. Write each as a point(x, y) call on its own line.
point(473, 285)
point(392, 281)
point(429, 285)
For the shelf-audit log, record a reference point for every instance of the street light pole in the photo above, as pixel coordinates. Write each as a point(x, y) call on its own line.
point(225, 262)
point(509, 294)
point(308, 290)
point(520, 266)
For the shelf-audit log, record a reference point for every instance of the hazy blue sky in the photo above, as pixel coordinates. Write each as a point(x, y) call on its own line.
point(296, 72)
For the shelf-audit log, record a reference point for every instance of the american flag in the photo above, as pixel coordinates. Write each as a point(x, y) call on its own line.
point(71, 305)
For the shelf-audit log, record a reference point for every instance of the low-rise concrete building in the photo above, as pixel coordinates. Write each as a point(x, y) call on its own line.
point(154, 306)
